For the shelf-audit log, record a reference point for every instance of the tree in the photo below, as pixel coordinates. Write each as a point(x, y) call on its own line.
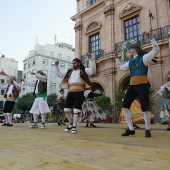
point(25, 102)
point(52, 99)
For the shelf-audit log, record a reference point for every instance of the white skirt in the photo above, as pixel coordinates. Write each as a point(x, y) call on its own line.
point(40, 106)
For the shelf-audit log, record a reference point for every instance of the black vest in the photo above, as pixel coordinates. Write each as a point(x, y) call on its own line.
point(42, 87)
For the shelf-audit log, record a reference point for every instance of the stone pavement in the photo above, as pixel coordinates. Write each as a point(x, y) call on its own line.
point(100, 148)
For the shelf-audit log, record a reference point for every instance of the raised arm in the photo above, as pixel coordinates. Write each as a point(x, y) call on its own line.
point(159, 92)
point(152, 54)
point(3, 87)
point(41, 77)
point(58, 72)
point(16, 84)
point(118, 63)
point(92, 68)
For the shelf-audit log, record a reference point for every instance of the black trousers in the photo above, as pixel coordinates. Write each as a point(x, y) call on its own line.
point(134, 91)
point(74, 100)
point(8, 107)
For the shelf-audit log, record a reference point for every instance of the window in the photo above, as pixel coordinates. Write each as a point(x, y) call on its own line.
point(34, 62)
point(28, 74)
point(52, 74)
point(1, 104)
point(62, 65)
point(70, 65)
point(53, 63)
point(25, 66)
point(53, 88)
point(45, 62)
point(2, 92)
point(93, 1)
point(23, 87)
point(132, 28)
point(95, 45)
point(24, 76)
point(51, 54)
point(29, 64)
point(2, 81)
point(59, 56)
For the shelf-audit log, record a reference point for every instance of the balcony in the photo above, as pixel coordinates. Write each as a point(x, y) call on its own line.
point(160, 33)
point(84, 59)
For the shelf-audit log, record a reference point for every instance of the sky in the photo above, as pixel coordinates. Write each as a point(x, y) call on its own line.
point(25, 21)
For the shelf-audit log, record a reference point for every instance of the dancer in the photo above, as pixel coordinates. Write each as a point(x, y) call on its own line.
point(40, 103)
point(61, 101)
point(90, 110)
point(165, 106)
point(12, 92)
point(139, 85)
point(76, 80)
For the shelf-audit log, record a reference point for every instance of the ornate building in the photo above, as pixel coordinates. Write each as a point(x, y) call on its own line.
point(105, 26)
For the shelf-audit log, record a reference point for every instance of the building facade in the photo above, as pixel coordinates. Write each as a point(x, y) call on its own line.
point(9, 66)
point(103, 27)
point(43, 58)
point(4, 79)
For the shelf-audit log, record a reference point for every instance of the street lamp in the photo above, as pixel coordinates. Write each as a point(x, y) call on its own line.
point(151, 17)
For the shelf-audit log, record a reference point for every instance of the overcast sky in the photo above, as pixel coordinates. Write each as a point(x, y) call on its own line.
point(23, 20)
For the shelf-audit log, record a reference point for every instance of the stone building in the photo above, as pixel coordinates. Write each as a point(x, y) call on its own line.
point(43, 58)
point(105, 26)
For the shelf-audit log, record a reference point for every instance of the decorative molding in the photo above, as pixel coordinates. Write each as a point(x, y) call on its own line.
point(92, 26)
point(78, 26)
point(109, 10)
point(129, 9)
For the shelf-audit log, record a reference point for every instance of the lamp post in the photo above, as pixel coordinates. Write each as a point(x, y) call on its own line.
point(151, 17)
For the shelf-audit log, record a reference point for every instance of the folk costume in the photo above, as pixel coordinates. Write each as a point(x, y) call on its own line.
point(12, 92)
point(40, 103)
point(60, 102)
point(165, 106)
point(139, 85)
point(76, 80)
point(91, 112)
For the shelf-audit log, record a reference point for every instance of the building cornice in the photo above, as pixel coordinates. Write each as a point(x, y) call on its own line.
point(109, 10)
point(91, 7)
point(45, 56)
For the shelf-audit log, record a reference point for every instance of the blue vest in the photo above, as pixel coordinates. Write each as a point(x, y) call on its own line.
point(137, 67)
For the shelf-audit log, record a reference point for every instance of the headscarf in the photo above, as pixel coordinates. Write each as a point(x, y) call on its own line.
point(79, 61)
point(140, 51)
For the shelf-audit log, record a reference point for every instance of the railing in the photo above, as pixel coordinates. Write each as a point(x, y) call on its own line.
point(159, 34)
point(101, 53)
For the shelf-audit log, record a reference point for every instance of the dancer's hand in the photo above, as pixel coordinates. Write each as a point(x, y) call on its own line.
point(115, 55)
point(148, 34)
point(21, 80)
point(89, 55)
point(57, 63)
point(32, 73)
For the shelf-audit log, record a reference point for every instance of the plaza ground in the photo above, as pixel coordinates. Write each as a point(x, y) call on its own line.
point(101, 148)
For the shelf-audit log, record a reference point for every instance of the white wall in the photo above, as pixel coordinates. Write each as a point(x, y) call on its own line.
point(45, 57)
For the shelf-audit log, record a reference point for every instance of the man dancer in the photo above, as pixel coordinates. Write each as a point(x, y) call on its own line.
point(76, 80)
point(12, 92)
point(40, 104)
point(139, 86)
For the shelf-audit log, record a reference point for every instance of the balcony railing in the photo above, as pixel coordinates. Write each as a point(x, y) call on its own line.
point(100, 54)
point(159, 34)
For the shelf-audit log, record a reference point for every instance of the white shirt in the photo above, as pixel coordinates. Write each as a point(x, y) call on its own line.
point(146, 58)
point(11, 87)
point(75, 75)
point(32, 84)
point(162, 88)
